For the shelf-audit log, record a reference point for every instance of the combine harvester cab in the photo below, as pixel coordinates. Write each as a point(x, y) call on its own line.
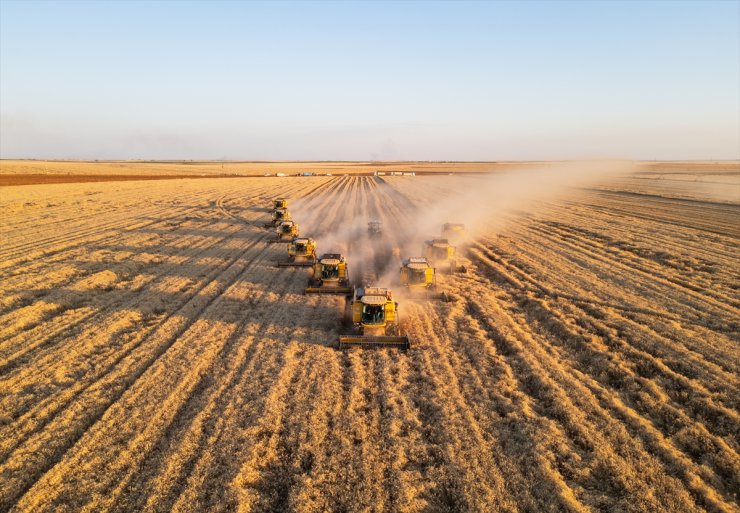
point(374, 229)
point(301, 253)
point(280, 203)
point(330, 276)
point(286, 230)
point(374, 317)
point(439, 251)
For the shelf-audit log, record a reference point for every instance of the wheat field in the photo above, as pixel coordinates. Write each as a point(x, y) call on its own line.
point(154, 358)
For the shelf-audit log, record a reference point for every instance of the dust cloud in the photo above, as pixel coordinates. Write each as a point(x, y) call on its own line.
point(484, 203)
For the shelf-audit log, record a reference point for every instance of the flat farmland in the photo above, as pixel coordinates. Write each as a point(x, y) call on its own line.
point(154, 358)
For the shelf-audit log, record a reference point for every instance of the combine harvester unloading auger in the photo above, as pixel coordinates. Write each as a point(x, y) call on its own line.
point(374, 317)
point(330, 276)
point(301, 253)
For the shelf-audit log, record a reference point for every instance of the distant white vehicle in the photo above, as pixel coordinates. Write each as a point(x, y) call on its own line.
point(281, 174)
point(409, 174)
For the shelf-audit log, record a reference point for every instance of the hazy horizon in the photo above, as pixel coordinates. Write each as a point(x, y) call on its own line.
point(354, 81)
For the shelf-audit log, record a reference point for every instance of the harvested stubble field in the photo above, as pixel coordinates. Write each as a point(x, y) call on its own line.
point(22, 172)
point(153, 358)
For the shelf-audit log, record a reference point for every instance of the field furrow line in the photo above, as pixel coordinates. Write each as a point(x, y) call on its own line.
point(638, 349)
point(228, 449)
point(670, 401)
point(584, 243)
point(46, 408)
point(546, 378)
point(186, 442)
point(133, 478)
point(175, 340)
point(452, 427)
point(128, 297)
point(44, 248)
point(514, 273)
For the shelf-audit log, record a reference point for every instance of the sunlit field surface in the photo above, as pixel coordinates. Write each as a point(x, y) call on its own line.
point(154, 358)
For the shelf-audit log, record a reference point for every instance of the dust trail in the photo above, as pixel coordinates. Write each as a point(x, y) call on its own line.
point(339, 225)
point(483, 202)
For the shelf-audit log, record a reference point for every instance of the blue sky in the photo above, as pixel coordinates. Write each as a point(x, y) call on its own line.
point(370, 80)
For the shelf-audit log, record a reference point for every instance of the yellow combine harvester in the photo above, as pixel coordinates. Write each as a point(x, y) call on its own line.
point(454, 232)
point(286, 230)
point(279, 215)
point(374, 228)
point(417, 274)
point(374, 317)
point(280, 203)
point(330, 276)
point(420, 280)
point(438, 250)
point(301, 253)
